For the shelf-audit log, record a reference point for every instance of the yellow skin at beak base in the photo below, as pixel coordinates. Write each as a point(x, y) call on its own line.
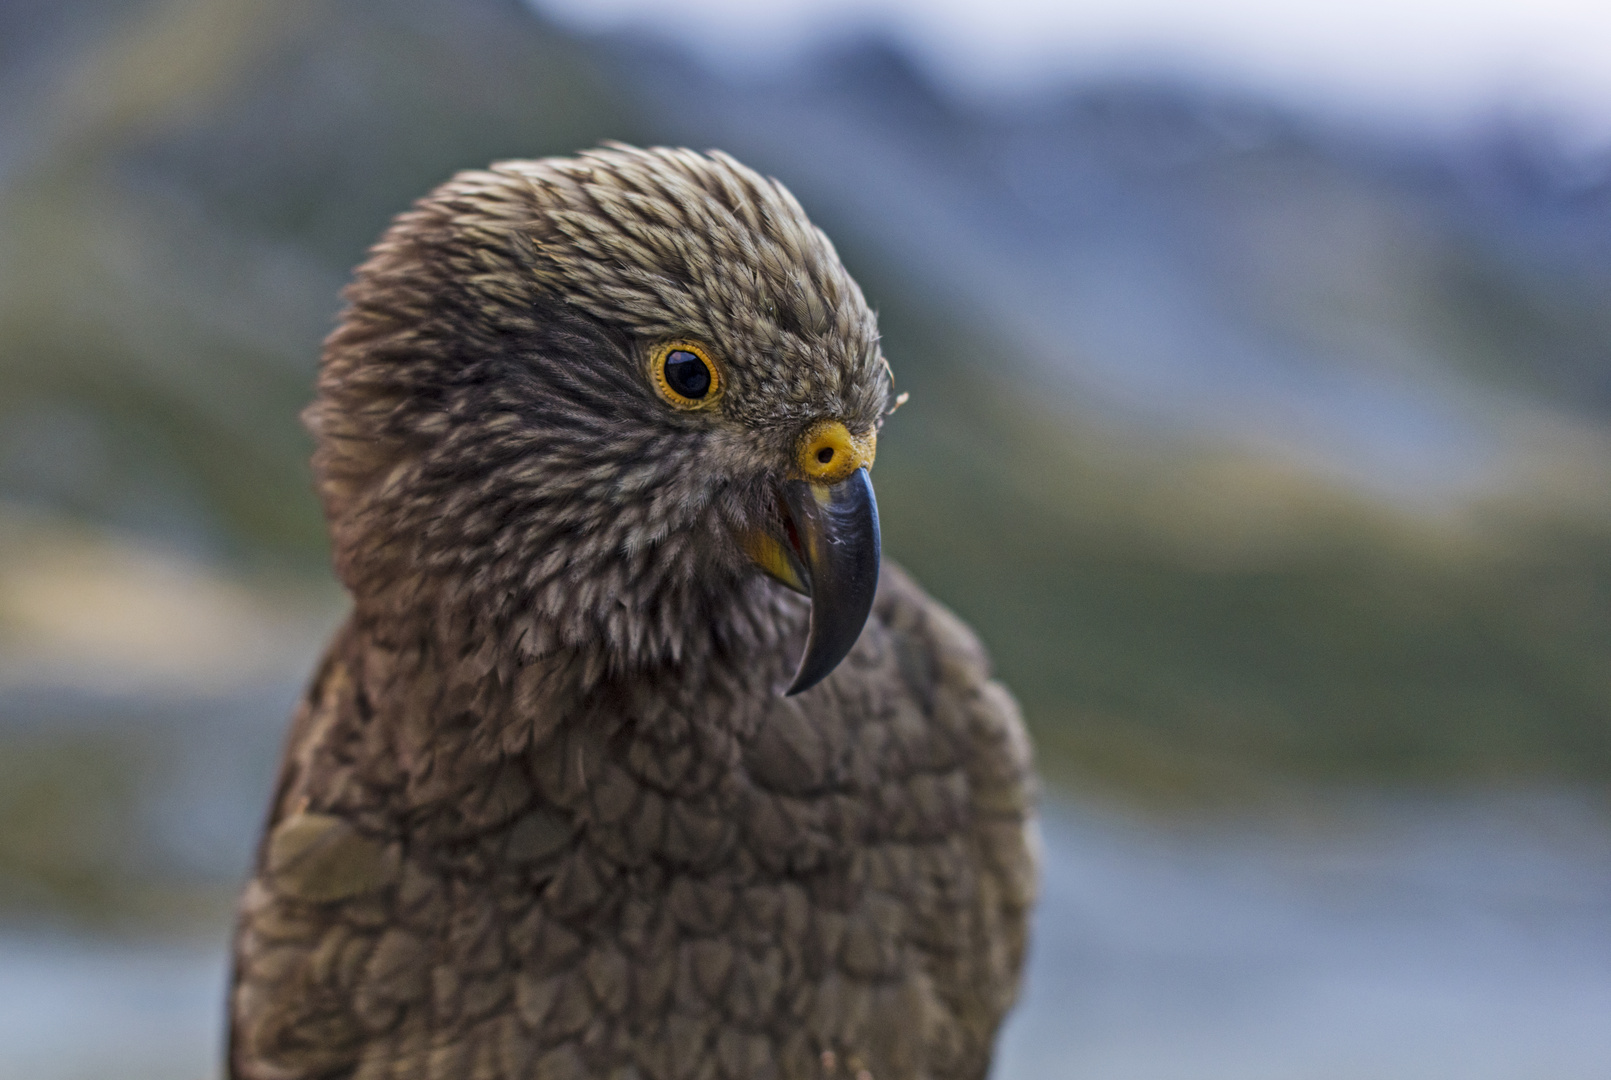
point(845, 454)
point(767, 553)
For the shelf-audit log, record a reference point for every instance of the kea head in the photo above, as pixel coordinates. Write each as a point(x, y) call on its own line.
point(605, 404)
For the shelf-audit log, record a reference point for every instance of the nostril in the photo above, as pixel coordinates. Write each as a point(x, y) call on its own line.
point(825, 455)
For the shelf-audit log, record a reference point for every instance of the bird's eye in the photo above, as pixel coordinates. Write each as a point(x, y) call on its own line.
point(684, 375)
point(687, 374)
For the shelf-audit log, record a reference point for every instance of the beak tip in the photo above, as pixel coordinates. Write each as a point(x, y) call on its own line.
point(804, 680)
point(801, 683)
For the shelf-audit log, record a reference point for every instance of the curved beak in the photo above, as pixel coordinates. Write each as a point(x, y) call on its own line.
point(837, 529)
point(831, 554)
point(826, 542)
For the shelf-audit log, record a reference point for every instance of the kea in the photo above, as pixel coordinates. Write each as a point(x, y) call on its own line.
point(630, 760)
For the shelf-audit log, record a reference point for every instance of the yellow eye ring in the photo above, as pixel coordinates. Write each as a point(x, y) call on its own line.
point(684, 374)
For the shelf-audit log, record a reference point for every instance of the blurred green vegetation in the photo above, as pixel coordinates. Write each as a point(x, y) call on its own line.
point(60, 800)
point(74, 837)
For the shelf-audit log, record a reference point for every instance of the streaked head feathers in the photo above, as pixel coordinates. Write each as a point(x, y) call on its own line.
point(489, 446)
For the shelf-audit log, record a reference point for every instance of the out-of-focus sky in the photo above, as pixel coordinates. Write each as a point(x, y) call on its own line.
point(1438, 60)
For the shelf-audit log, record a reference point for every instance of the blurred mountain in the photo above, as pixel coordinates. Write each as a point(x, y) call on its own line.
point(1255, 447)
point(184, 186)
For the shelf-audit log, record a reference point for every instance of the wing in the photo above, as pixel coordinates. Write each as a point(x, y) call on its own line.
point(946, 668)
point(321, 886)
point(363, 952)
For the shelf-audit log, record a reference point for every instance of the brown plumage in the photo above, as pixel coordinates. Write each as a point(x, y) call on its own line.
point(545, 811)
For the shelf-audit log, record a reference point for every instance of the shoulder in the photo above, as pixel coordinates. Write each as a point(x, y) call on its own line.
point(331, 702)
point(943, 662)
point(910, 613)
point(948, 670)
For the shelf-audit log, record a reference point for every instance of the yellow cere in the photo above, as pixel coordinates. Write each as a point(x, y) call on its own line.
point(829, 452)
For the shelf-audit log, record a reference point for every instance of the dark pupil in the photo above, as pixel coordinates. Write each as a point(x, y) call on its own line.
point(687, 374)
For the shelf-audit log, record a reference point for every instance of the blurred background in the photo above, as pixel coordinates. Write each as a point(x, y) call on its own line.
point(1260, 362)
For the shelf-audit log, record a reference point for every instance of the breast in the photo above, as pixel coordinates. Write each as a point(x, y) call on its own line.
point(686, 880)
